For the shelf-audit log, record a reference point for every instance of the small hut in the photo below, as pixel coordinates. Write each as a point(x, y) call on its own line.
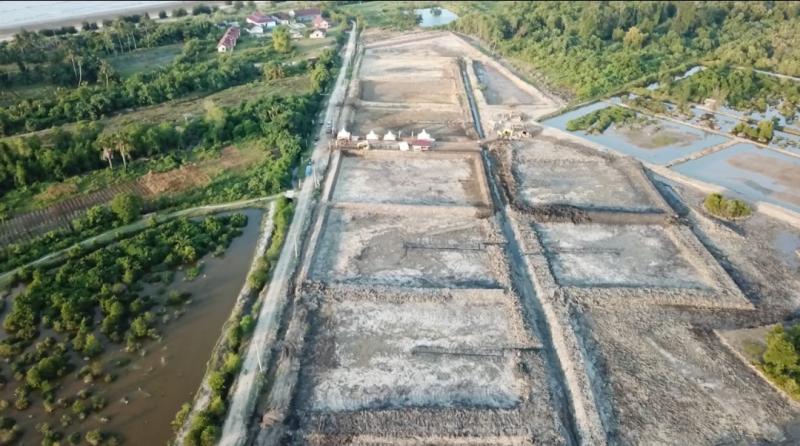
point(389, 136)
point(372, 136)
point(343, 134)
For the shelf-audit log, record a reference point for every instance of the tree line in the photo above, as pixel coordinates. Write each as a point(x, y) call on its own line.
point(590, 48)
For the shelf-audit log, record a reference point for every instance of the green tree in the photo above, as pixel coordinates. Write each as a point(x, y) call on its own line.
point(634, 38)
point(781, 356)
point(127, 207)
point(281, 40)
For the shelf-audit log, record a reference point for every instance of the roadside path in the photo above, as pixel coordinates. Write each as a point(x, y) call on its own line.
point(113, 234)
point(247, 387)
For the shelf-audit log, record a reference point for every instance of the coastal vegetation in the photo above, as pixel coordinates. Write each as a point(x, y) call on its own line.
point(723, 207)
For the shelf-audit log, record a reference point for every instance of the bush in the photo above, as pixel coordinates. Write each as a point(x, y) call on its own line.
point(723, 207)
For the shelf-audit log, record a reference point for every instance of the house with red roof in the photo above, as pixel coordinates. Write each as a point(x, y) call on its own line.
point(320, 22)
point(305, 15)
point(228, 40)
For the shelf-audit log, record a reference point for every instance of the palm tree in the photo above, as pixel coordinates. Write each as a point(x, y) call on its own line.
point(108, 155)
point(106, 70)
point(123, 146)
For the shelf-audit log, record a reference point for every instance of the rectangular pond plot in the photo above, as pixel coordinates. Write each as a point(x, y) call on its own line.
point(444, 123)
point(657, 143)
point(602, 255)
point(670, 383)
point(431, 250)
point(399, 178)
point(498, 89)
point(382, 355)
point(756, 174)
point(549, 173)
point(374, 66)
point(425, 91)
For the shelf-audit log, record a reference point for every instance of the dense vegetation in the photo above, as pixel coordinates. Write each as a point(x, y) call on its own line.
point(741, 89)
point(600, 120)
point(94, 298)
point(590, 48)
point(723, 207)
point(781, 359)
point(123, 210)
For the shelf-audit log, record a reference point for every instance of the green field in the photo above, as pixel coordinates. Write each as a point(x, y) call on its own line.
point(145, 59)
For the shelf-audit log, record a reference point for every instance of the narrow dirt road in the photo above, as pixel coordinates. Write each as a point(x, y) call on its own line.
point(248, 385)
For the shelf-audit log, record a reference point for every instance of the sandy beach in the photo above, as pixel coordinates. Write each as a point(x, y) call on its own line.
point(37, 15)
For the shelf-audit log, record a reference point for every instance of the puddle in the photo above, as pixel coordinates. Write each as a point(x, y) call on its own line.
point(429, 19)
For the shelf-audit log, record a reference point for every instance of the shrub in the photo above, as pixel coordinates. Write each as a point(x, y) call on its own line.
point(723, 207)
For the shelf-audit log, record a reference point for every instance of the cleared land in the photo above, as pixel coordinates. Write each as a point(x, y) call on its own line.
point(427, 91)
point(410, 354)
point(402, 249)
point(669, 382)
point(443, 124)
point(547, 170)
point(438, 179)
point(596, 255)
point(499, 89)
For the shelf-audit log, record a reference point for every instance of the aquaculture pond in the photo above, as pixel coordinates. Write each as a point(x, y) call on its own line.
point(658, 142)
point(140, 391)
point(429, 19)
point(755, 173)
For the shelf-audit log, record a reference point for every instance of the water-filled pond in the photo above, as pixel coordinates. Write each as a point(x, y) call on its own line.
point(429, 19)
point(755, 173)
point(660, 143)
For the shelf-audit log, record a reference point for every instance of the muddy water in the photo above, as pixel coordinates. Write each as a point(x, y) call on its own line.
point(148, 392)
point(756, 174)
point(686, 140)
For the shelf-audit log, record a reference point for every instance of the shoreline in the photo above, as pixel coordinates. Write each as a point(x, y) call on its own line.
point(7, 32)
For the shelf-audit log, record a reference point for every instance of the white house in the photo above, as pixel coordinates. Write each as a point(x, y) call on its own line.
point(318, 34)
point(256, 30)
point(343, 134)
point(423, 135)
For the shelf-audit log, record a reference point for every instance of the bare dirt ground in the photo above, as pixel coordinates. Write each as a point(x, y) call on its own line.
point(499, 89)
point(409, 91)
point(617, 255)
point(546, 171)
point(446, 124)
point(379, 248)
point(435, 179)
point(576, 305)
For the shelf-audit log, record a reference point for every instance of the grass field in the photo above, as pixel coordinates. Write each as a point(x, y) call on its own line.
point(145, 59)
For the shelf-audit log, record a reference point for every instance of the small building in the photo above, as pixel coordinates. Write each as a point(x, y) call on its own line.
point(256, 30)
point(262, 20)
point(282, 18)
point(403, 146)
point(421, 145)
point(372, 136)
point(318, 34)
point(305, 15)
point(320, 22)
point(389, 136)
point(228, 40)
point(424, 135)
point(343, 134)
